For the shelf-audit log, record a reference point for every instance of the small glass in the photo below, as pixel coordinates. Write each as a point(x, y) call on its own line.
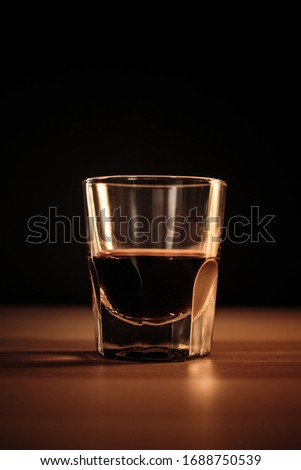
point(153, 252)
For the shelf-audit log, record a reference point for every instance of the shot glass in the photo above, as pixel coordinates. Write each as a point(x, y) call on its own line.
point(153, 254)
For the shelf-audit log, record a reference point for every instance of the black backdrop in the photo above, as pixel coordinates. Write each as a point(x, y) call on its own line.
point(232, 113)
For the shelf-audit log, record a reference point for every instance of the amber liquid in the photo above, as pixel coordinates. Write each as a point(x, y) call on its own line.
point(148, 289)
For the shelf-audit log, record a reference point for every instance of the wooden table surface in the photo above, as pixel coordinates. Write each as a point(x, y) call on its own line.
point(55, 393)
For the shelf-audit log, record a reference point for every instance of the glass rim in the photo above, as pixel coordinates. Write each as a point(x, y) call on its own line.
point(170, 181)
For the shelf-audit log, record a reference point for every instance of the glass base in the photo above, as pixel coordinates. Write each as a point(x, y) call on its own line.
point(177, 341)
point(149, 355)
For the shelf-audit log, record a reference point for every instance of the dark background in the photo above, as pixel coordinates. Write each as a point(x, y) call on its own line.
point(222, 103)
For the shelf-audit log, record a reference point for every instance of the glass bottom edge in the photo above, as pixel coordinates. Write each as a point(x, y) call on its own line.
point(151, 354)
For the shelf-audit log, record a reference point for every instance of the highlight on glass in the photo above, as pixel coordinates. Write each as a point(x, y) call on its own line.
point(153, 252)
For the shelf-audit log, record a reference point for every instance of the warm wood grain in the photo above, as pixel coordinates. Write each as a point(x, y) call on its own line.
point(56, 395)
